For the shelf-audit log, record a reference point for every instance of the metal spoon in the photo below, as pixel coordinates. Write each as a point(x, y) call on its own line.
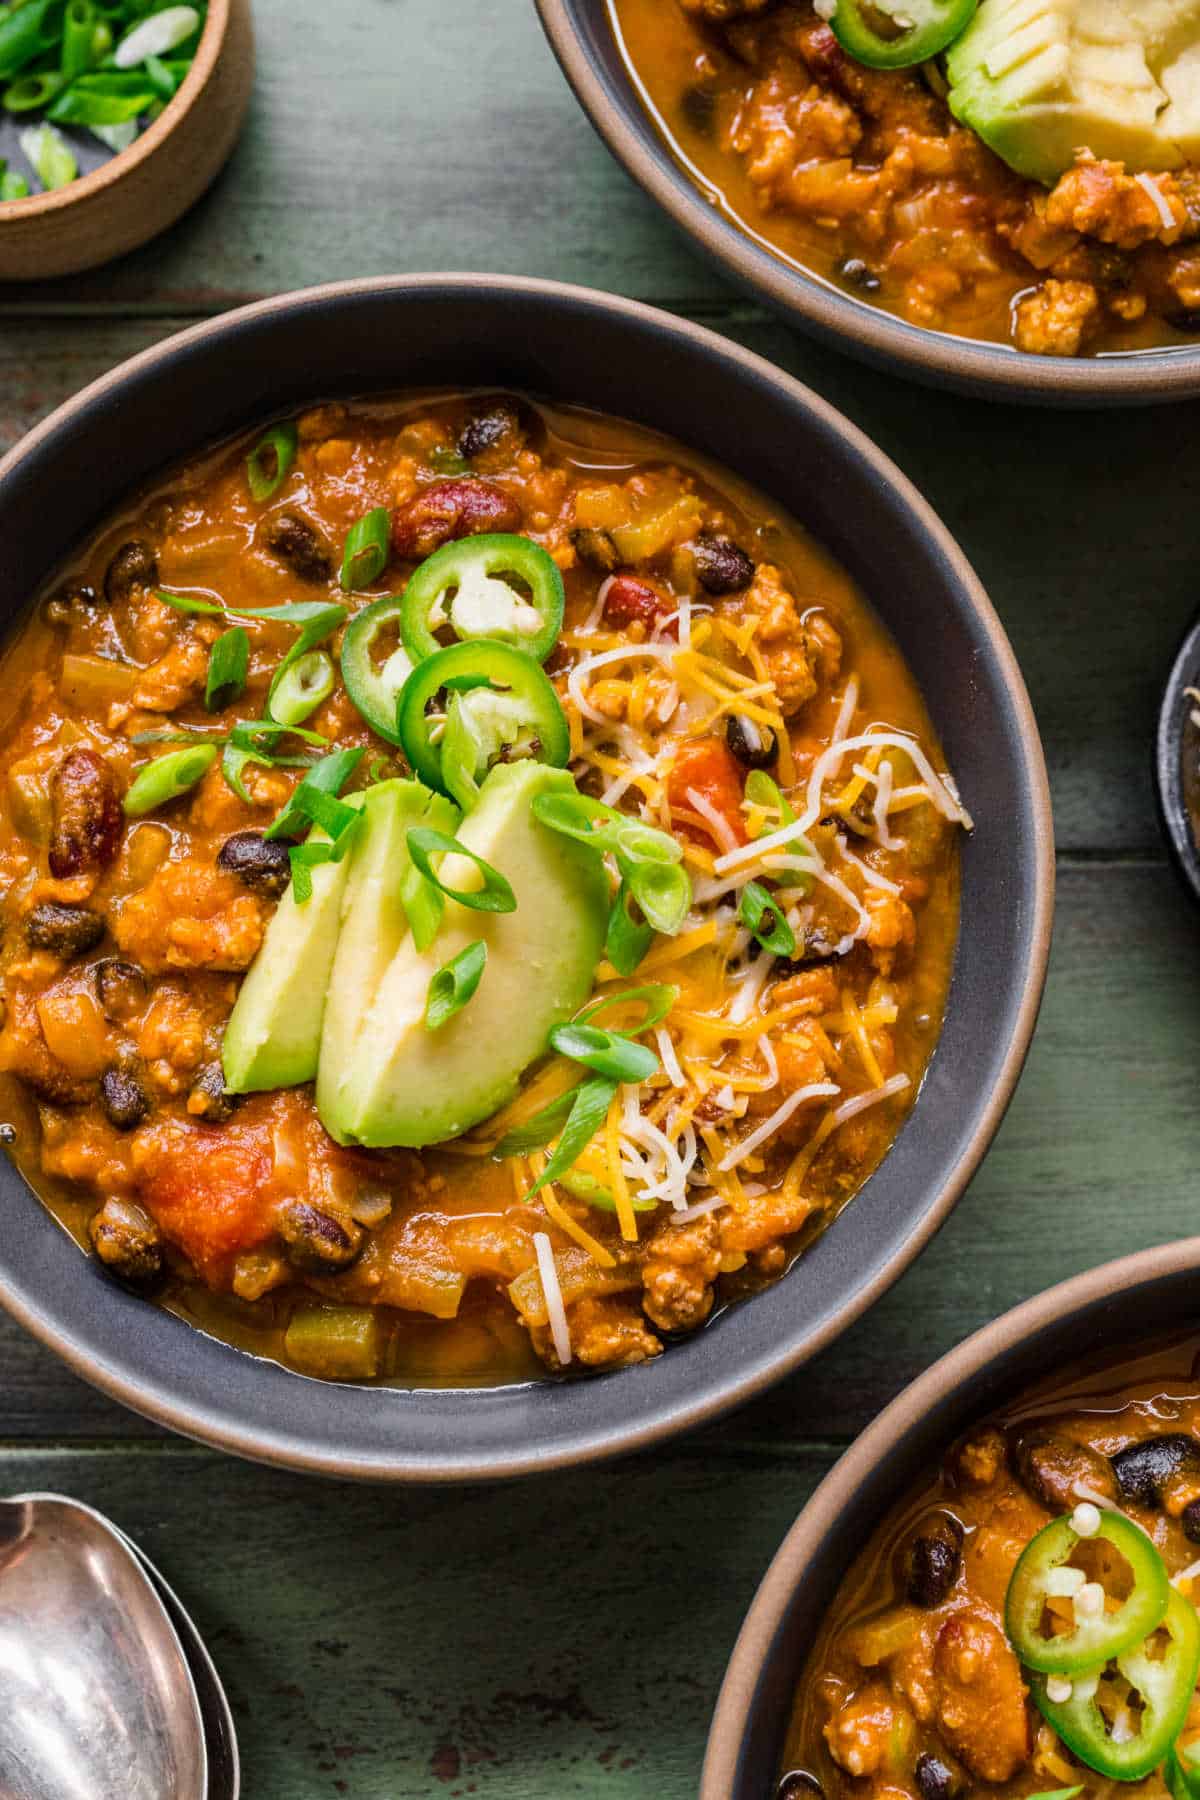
point(99, 1703)
point(224, 1763)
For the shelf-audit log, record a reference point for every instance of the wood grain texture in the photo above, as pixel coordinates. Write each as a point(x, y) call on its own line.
point(1071, 539)
point(511, 1644)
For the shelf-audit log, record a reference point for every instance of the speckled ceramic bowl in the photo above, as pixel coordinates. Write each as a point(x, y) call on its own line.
point(1177, 760)
point(568, 344)
point(583, 39)
point(1154, 1291)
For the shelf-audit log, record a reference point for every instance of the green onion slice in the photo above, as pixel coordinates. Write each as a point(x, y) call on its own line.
point(329, 776)
point(538, 1130)
point(300, 689)
point(167, 777)
point(13, 186)
point(594, 1193)
point(588, 1111)
point(50, 154)
point(762, 790)
point(269, 463)
point(494, 896)
point(627, 938)
point(454, 984)
point(78, 38)
point(28, 92)
point(760, 914)
point(367, 544)
point(228, 661)
point(658, 998)
point(606, 1052)
point(189, 603)
point(649, 861)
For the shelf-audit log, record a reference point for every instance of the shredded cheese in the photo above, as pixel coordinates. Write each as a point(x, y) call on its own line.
point(815, 1090)
point(556, 1312)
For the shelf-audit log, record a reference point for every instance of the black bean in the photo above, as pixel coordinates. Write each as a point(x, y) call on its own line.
point(1142, 1469)
point(497, 428)
point(698, 108)
point(856, 272)
point(121, 989)
point(932, 1558)
point(123, 1099)
point(127, 1242)
point(298, 544)
point(316, 1242)
point(595, 548)
point(1185, 319)
point(753, 744)
point(814, 946)
point(1189, 1518)
point(935, 1779)
point(798, 1784)
point(134, 567)
point(209, 1098)
point(722, 567)
point(1052, 1467)
point(259, 862)
point(66, 930)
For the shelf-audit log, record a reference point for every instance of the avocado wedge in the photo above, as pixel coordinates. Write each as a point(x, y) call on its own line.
point(406, 1085)
point(274, 1032)
point(1040, 79)
point(373, 926)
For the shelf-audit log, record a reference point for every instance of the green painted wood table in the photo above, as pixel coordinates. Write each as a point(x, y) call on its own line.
point(567, 1637)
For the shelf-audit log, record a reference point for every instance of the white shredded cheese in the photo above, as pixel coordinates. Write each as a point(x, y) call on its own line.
point(721, 829)
point(816, 1090)
point(871, 876)
point(670, 1062)
point(711, 1204)
point(851, 1108)
point(1150, 187)
point(940, 792)
point(850, 697)
point(753, 981)
point(602, 659)
point(884, 778)
point(556, 1312)
point(766, 1050)
point(1188, 1574)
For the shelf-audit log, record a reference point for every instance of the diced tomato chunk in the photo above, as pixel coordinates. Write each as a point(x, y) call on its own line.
point(210, 1189)
point(707, 767)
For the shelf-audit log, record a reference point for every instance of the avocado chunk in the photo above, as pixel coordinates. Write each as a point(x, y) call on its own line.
point(373, 925)
point(408, 1085)
point(274, 1031)
point(1040, 79)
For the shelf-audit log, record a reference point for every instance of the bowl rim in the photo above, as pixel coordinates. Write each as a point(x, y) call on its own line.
point(983, 1350)
point(115, 169)
point(839, 320)
point(1168, 759)
point(160, 1401)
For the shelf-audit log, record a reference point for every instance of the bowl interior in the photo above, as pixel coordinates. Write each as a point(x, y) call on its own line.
point(625, 360)
point(1177, 738)
point(586, 45)
point(1140, 1297)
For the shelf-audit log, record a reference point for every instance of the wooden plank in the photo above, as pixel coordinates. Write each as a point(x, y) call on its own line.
point(385, 137)
point(500, 1643)
point(1069, 1182)
point(1095, 591)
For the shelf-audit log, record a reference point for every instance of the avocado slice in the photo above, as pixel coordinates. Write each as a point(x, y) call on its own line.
point(411, 1086)
point(274, 1031)
point(1039, 79)
point(373, 926)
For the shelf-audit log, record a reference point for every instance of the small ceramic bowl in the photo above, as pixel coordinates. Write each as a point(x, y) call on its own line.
point(1122, 1302)
point(131, 197)
point(583, 39)
point(1177, 760)
point(568, 345)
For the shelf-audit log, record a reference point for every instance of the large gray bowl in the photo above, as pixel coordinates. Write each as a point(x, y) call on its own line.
point(1123, 1302)
point(582, 37)
point(567, 344)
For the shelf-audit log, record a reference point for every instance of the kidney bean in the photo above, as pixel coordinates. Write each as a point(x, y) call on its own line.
point(66, 930)
point(458, 508)
point(298, 544)
point(133, 567)
point(209, 1099)
point(85, 812)
point(628, 601)
point(259, 863)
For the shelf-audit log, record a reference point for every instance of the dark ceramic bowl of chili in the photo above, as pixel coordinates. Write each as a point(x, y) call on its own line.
point(1177, 760)
point(944, 1540)
point(819, 167)
point(560, 346)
